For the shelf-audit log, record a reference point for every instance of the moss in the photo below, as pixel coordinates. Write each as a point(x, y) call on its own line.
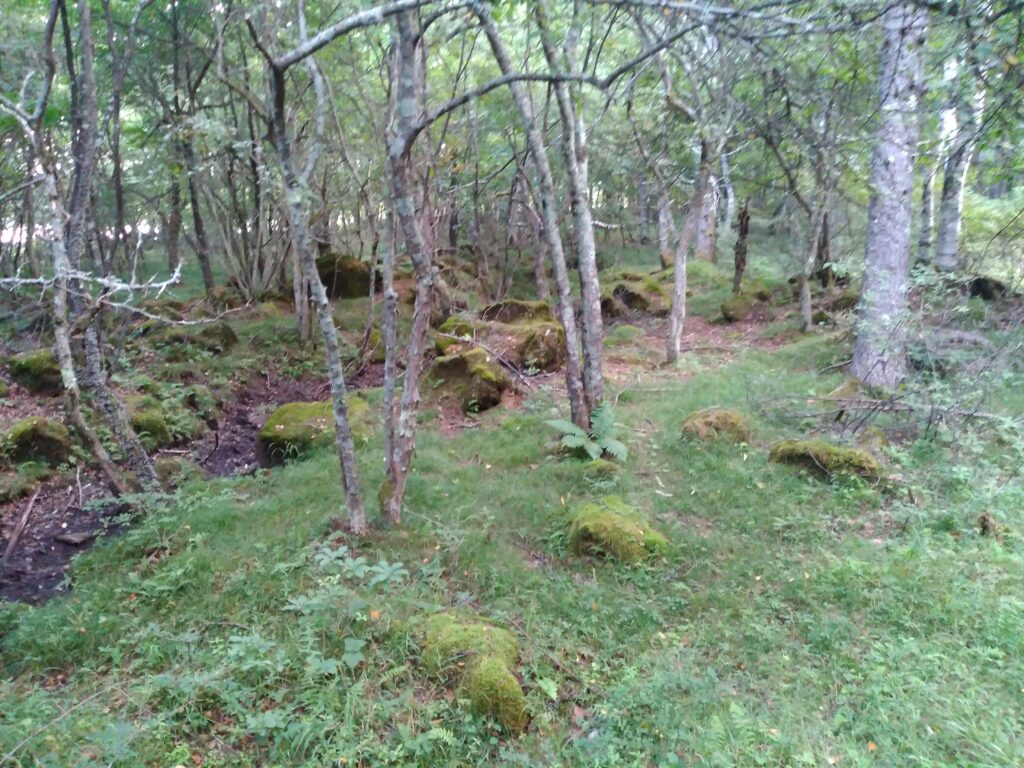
point(612, 528)
point(821, 317)
point(481, 657)
point(600, 469)
point(148, 420)
point(271, 309)
point(224, 297)
point(3, 388)
point(295, 429)
point(211, 337)
point(37, 371)
point(516, 310)
point(448, 640)
point(453, 326)
point(717, 424)
point(542, 348)
point(345, 277)
point(375, 347)
point(825, 459)
point(173, 471)
point(738, 308)
point(472, 378)
point(20, 481)
point(38, 439)
point(496, 693)
point(845, 301)
point(622, 335)
point(632, 297)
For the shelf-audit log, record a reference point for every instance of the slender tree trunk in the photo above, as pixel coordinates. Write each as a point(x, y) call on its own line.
point(549, 216)
point(740, 249)
point(927, 223)
point(677, 314)
point(198, 224)
point(730, 192)
point(707, 227)
point(574, 153)
point(295, 192)
point(810, 261)
point(409, 85)
point(666, 229)
point(954, 184)
point(879, 356)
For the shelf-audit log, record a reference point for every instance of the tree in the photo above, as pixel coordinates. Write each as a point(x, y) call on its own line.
point(879, 357)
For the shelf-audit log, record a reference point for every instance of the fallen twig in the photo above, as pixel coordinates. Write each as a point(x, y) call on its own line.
point(19, 529)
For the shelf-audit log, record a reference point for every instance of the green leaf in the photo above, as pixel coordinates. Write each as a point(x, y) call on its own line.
point(550, 688)
point(615, 448)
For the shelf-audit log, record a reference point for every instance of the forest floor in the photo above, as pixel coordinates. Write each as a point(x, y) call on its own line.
point(790, 621)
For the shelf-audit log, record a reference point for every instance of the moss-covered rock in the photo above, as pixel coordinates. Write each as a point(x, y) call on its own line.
point(224, 297)
point(845, 301)
point(344, 277)
point(825, 459)
point(215, 337)
point(173, 471)
point(496, 693)
point(20, 481)
point(37, 371)
point(517, 311)
point(473, 378)
point(480, 658)
point(4, 390)
point(38, 439)
point(449, 640)
point(148, 421)
point(294, 429)
point(625, 297)
point(717, 424)
point(821, 317)
point(530, 345)
point(736, 309)
point(612, 528)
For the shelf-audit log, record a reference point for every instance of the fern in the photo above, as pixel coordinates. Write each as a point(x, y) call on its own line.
point(598, 442)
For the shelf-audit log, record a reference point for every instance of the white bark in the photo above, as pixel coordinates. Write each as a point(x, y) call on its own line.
point(677, 314)
point(954, 176)
point(879, 357)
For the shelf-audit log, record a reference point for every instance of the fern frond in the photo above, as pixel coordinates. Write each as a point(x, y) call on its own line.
point(575, 442)
point(615, 448)
point(602, 421)
point(593, 449)
point(566, 427)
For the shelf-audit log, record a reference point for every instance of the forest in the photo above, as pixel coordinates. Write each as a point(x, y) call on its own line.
point(511, 383)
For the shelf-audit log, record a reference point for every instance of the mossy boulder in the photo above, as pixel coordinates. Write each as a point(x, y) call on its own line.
point(21, 480)
point(37, 371)
point(845, 301)
point(517, 311)
point(825, 459)
point(480, 659)
point(213, 337)
point(473, 378)
point(639, 296)
point(717, 424)
point(600, 469)
point(173, 471)
point(530, 345)
point(149, 422)
point(38, 439)
point(295, 429)
point(612, 528)
point(622, 335)
point(344, 277)
point(736, 309)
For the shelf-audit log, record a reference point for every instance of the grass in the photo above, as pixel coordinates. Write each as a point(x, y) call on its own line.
point(791, 621)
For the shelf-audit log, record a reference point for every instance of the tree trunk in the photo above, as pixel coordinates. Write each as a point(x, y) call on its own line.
point(678, 312)
point(879, 357)
point(409, 86)
point(740, 249)
point(666, 229)
point(295, 193)
point(810, 261)
point(707, 227)
point(574, 153)
point(549, 216)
